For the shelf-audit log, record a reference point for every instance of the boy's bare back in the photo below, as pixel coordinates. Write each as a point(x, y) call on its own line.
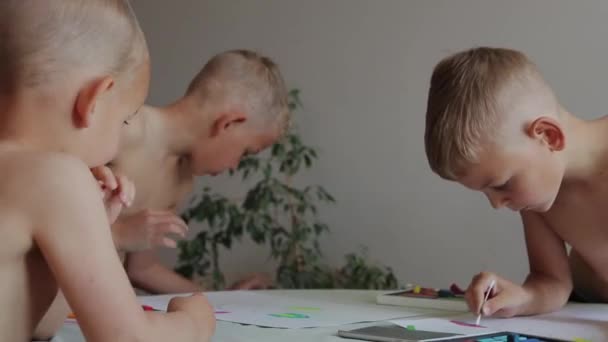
point(40, 189)
point(579, 217)
point(22, 265)
point(60, 116)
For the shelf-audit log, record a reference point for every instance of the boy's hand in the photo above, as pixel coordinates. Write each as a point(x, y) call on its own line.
point(147, 229)
point(117, 191)
point(199, 310)
point(505, 300)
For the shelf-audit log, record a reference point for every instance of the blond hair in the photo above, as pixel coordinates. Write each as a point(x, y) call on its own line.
point(246, 79)
point(465, 108)
point(44, 39)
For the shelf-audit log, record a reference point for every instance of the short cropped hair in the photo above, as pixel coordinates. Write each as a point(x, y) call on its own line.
point(248, 79)
point(464, 108)
point(42, 39)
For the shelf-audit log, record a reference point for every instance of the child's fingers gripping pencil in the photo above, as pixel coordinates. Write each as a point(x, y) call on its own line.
point(485, 299)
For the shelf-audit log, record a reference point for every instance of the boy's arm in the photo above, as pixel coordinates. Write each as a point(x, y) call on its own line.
point(74, 236)
point(148, 273)
point(546, 288)
point(550, 280)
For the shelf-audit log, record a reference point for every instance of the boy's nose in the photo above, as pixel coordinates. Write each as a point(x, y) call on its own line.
point(497, 202)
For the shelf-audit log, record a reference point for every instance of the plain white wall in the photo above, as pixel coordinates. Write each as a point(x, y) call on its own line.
point(363, 67)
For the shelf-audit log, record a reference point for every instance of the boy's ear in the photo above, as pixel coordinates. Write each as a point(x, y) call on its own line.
point(548, 131)
point(226, 121)
point(87, 99)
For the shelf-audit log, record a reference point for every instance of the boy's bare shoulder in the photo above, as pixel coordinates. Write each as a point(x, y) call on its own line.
point(40, 165)
point(33, 175)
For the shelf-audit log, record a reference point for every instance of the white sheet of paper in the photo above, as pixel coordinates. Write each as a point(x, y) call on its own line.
point(586, 321)
point(574, 321)
point(280, 311)
point(446, 325)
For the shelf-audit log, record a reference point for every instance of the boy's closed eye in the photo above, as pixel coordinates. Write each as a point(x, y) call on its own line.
point(502, 187)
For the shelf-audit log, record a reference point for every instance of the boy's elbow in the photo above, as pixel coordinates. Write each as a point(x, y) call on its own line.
point(558, 295)
point(562, 298)
point(549, 293)
point(565, 291)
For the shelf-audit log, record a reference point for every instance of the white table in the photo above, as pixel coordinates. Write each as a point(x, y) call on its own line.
point(232, 332)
